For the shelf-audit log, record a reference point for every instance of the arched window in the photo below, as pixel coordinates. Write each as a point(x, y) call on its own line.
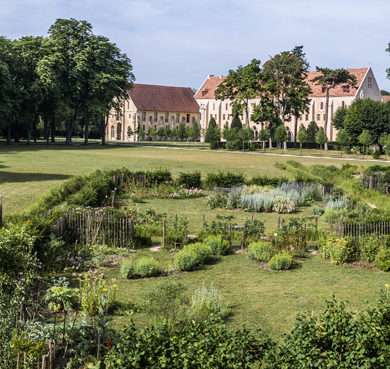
point(112, 132)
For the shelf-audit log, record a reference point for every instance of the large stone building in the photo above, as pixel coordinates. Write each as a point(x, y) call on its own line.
point(151, 106)
point(343, 95)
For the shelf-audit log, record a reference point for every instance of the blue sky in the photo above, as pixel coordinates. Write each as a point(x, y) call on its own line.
point(180, 42)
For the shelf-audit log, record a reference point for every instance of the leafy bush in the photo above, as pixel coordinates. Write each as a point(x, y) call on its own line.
point(206, 302)
point(340, 250)
point(338, 338)
point(281, 261)
point(234, 198)
point(160, 346)
point(267, 181)
point(382, 259)
point(193, 256)
point(142, 267)
point(369, 247)
point(261, 251)
point(190, 180)
point(218, 245)
point(217, 200)
point(284, 205)
point(226, 180)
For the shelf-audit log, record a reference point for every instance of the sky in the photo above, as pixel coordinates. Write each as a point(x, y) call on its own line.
point(180, 42)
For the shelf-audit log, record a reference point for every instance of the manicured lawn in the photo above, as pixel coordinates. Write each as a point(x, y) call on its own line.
point(26, 172)
point(269, 300)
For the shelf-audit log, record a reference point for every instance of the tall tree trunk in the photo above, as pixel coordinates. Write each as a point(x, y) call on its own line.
point(46, 128)
point(86, 130)
point(53, 128)
point(295, 128)
point(104, 124)
point(326, 116)
point(68, 132)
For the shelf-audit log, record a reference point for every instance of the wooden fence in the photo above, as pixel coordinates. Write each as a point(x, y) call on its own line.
point(357, 230)
point(101, 226)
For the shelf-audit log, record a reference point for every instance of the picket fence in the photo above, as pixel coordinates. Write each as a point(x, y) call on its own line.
point(90, 226)
point(357, 230)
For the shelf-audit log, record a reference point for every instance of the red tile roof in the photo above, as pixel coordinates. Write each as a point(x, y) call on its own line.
point(339, 91)
point(207, 91)
point(386, 98)
point(164, 98)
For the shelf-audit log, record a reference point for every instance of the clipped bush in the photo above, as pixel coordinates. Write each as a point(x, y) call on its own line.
point(190, 180)
point(281, 261)
point(226, 180)
point(218, 245)
point(382, 260)
point(142, 267)
point(206, 302)
point(193, 256)
point(261, 251)
point(267, 181)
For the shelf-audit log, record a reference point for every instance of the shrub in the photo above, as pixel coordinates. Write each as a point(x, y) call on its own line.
point(195, 344)
point(226, 180)
point(218, 245)
point(190, 180)
point(193, 256)
point(234, 198)
point(217, 200)
point(207, 301)
point(267, 181)
point(261, 251)
point(382, 260)
point(369, 247)
point(339, 250)
point(284, 205)
point(142, 267)
point(281, 261)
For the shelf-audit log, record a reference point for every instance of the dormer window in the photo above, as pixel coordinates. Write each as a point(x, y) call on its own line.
point(323, 89)
point(204, 92)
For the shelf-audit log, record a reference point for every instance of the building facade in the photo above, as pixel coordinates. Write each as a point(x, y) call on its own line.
point(341, 96)
point(151, 106)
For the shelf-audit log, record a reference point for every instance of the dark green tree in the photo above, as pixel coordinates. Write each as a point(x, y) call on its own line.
point(213, 134)
point(312, 130)
point(302, 136)
point(321, 138)
point(339, 118)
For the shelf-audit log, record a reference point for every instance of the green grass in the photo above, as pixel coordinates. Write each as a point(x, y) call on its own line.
point(270, 300)
point(26, 172)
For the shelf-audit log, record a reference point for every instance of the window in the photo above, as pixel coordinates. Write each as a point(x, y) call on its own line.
point(346, 88)
point(144, 116)
point(307, 117)
point(223, 117)
point(193, 120)
point(323, 89)
point(227, 107)
point(318, 117)
point(183, 119)
point(150, 119)
point(369, 82)
point(204, 92)
point(322, 105)
point(112, 132)
point(188, 118)
point(177, 117)
point(166, 117)
point(155, 116)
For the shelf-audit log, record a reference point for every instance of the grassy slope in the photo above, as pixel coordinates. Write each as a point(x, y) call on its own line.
point(27, 172)
point(270, 300)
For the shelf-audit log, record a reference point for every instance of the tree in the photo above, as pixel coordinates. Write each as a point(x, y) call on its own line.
point(339, 118)
point(321, 138)
point(182, 132)
point(365, 139)
point(385, 143)
point(343, 138)
point(329, 79)
point(213, 134)
point(89, 72)
point(366, 114)
point(264, 136)
point(195, 131)
point(281, 135)
point(312, 130)
point(236, 122)
point(302, 135)
point(240, 86)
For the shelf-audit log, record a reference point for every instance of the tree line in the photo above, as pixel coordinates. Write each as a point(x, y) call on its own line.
point(65, 82)
point(283, 94)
